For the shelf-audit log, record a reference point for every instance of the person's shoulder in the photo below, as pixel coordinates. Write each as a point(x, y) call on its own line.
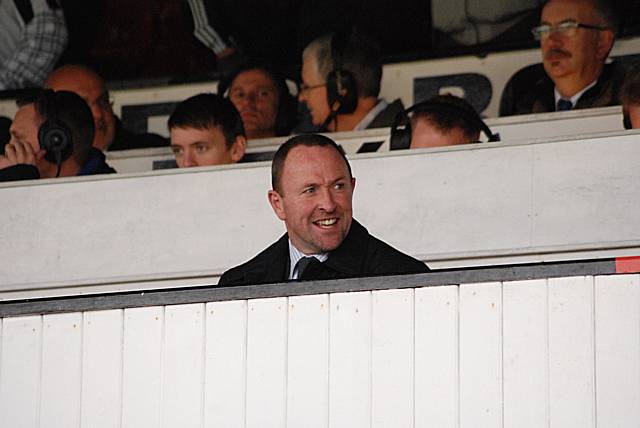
point(386, 117)
point(266, 267)
point(383, 259)
point(19, 172)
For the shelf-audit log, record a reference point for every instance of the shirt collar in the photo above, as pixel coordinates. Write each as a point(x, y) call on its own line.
point(295, 255)
point(380, 106)
point(574, 99)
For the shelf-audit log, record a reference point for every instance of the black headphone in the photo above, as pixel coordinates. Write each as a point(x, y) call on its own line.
point(55, 137)
point(342, 91)
point(401, 128)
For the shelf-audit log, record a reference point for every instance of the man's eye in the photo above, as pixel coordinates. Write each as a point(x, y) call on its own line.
point(339, 186)
point(201, 148)
point(309, 190)
point(176, 150)
point(237, 95)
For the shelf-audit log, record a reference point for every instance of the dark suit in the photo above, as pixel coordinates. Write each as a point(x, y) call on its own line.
point(540, 97)
point(360, 254)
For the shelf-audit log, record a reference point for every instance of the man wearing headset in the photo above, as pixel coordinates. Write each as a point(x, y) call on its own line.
point(51, 136)
point(341, 83)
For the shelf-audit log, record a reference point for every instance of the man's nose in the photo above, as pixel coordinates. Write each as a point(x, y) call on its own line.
point(188, 159)
point(327, 200)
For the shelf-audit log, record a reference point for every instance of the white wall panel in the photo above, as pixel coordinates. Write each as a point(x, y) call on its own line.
point(617, 334)
point(525, 354)
point(60, 392)
point(481, 355)
point(308, 362)
point(350, 360)
point(436, 357)
point(20, 371)
point(183, 366)
point(102, 369)
point(392, 359)
point(571, 353)
point(266, 363)
point(142, 367)
point(225, 364)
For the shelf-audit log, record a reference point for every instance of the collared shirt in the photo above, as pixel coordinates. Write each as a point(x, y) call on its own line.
point(362, 125)
point(295, 255)
point(574, 99)
point(36, 51)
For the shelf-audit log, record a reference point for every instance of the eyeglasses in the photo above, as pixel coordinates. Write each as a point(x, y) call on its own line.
point(305, 88)
point(566, 28)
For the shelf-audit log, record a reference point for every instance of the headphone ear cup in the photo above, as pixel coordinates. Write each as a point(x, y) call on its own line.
point(55, 138)
point(400, 138)
point(342, 92)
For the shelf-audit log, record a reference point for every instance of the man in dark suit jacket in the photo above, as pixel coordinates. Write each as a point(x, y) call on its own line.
point(575, 37)
point(312, 193)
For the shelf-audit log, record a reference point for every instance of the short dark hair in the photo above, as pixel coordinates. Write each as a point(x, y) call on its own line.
point(287, 104)
point(69, 109)
point(308, 140)
point(205, 111)
point(630, 91)
point(355, 53)
point(462, 115)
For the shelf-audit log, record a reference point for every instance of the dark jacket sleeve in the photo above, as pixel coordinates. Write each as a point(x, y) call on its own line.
point(19, 172)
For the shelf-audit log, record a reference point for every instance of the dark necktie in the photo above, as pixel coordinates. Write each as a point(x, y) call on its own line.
point(564, 105)
point(302, 265)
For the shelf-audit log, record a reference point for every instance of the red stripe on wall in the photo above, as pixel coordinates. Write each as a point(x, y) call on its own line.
point(628, 265)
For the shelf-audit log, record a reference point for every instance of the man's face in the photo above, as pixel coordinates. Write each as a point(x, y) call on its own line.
point(313, 91)
point(315, 199)
point(424, 135)
point(201, 147)
point(255, 96)
point(580, 56)
point(91, 88)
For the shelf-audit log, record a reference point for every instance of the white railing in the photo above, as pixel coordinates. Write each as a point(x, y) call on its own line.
point(561, 352)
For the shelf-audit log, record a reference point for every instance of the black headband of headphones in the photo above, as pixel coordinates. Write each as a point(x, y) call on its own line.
point(401, 128)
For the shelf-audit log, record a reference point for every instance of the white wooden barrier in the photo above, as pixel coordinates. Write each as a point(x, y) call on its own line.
point(560, 352)
point(481, 204)
point(556, 125)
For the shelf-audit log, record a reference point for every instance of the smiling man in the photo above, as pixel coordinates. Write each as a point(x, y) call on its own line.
point(575, 37)
point(312, 192)
point(206, 129)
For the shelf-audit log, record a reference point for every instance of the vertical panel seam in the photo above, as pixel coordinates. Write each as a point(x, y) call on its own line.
point(203, 366)
point(328, 392)
point(121, 374)
point(286, 361)
point(246, 356)
point(457, 350)
point(547, 319)
point(501, 336)
point(82, 365)
point(163, 350)
point(593, 349)
point(40, 374)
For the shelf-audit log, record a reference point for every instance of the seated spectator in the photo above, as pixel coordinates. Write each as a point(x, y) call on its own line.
point(341, 82)
point(51, 136)
point(631, 98)
point(312, 192)
point(34, 36)
point(444, 120)
point(263, 100)
point(576, 37)
point(206, 129)
point(110, 134)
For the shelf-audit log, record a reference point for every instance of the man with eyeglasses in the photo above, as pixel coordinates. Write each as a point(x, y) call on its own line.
point(110, 134)
point(575, 37)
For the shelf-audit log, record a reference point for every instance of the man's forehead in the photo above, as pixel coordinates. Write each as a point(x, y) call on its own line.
point(302, 157)
point(562, 10)
point(83, 83)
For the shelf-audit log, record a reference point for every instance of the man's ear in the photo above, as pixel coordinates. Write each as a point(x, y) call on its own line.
point(238, 148)
point(275, 199)
point(606, 39)
point(353, 183)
